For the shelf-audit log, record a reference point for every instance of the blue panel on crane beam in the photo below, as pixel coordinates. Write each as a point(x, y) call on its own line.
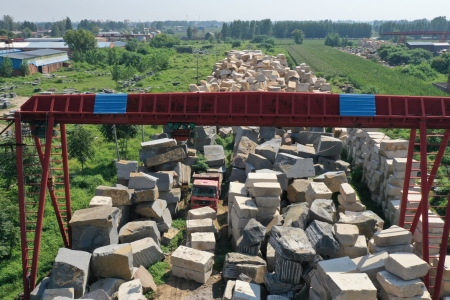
point(355, 105)
point(110, 103)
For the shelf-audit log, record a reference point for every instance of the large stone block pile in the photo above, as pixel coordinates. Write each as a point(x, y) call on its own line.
point(118, 237)
point(251, 70)
point(384, 163)
point(281, 209)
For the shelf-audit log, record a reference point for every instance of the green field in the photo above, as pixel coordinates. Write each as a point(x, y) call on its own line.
point(87, 78)
point(363, 74)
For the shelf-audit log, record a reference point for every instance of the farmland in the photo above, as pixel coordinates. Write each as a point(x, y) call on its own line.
point(365, 75)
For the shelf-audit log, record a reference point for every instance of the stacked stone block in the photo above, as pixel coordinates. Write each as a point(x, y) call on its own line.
point(402, 277)
point(391, 240)
point(251, 70)
point(192, 264)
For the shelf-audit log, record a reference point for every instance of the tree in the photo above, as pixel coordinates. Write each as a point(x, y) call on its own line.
point(56, 32)
point(165, 40)
point(124, 134)
point(80, 145)
point(68, 24)
point(132, 45)
point(8, 22)
point(189, 32)
point(26, 32)
point(298, 36)
point(80, 40)
point(24, 68)
point(6, 68)
point(117, 73)
point(8, 235)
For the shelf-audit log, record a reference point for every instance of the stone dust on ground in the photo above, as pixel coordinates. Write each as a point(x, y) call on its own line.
point(182, 289)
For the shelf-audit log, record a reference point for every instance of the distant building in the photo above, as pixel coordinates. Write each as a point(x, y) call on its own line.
point(42, 61)
point(29, 46)
point(432, 47)
point(441, 47)
point(48, 40)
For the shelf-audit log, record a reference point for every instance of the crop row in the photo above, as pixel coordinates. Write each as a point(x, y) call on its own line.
point(362, 73)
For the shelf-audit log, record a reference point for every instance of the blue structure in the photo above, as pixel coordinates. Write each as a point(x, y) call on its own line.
point(38, 58)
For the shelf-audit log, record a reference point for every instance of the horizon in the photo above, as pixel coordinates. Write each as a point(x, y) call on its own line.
point(201, 10)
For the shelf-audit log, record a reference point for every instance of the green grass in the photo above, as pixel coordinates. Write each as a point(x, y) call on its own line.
point(179, 224)
point(363, 74)
point(160, 272)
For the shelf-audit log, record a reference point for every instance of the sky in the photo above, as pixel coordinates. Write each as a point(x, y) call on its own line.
point(194, 10)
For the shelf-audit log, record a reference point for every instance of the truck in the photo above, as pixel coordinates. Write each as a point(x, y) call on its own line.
point(206, 190)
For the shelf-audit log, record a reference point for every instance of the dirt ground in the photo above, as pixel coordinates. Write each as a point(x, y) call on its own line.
point(16, 102)
point(182, 289)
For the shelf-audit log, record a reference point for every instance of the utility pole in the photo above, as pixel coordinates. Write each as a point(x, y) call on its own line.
point(197, 66)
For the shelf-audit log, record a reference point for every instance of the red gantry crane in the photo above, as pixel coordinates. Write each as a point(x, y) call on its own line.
point(41, 114)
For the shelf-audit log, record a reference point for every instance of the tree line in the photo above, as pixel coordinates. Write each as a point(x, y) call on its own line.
point(436, 24)
point(283, 29)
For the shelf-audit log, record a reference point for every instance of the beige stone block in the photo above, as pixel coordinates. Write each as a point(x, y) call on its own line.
point(347, 192)
point(201, 213)
point(246, 291)
point(354, 206)
point(406, 266)
point(341, 265)
point(374, 248)
point(205, 241)
point(260, 177)
point(202, 225)
point(200, 277)
point(386, 296)
point(398, 287)
point(100, 201)
point(317, 190)
point(358, 249)
point(371, 264)
point(346, 234)
point(344, 286)
point(392, 236)
point(192, 259)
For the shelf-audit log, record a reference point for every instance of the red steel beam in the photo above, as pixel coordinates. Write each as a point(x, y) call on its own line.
point(65, 160)
point(431, 177)
point(243, 108)
point(424, 201)
point(404, 201)
point(442, 254)
point(51, 191)
point(417, 32)
point(42, 196)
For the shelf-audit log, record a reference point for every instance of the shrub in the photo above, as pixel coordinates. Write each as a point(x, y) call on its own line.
point(236, 44)
point(200, 165)
point(88, 182)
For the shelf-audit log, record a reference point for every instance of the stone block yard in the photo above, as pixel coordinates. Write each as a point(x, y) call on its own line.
point(288, 225)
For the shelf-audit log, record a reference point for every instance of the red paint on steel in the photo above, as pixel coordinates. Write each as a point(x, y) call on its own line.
point(244, 108)
point(65, 161)
point(42, 194)
point(21, 192)
point(51, 191)
point(442, 254)
point(417, 32)
point(432, 176)
point(424, 200)
point(409, 158)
